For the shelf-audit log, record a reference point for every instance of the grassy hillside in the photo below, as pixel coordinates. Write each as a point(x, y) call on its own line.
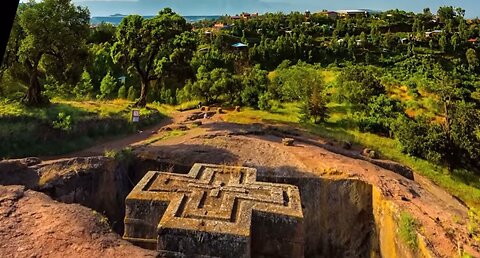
point(67, 126)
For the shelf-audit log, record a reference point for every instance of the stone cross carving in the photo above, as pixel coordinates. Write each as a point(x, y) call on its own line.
point(215, 211)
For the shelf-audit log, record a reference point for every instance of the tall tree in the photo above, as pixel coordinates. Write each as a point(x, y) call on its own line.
point(143, 46)
point(55, 33)
point(472, 59)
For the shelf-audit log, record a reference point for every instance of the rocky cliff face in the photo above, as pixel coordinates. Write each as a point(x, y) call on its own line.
point(349, 218)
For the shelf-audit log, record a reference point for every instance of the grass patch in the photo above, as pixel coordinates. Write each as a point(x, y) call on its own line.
point(166, 136)
point(340, 127)
point(67, 126)
point(473, 225)
point(125, 155)
point(193, 104)
point(407, 230)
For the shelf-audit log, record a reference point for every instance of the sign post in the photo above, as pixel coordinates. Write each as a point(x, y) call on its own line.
point(135, 116)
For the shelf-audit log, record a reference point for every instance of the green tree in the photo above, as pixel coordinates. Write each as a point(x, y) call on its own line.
point(454, 41)
point(122, 92)
point(446, 13)
point(442, 42)
point(363, 38)
point(143, 46)
point(108, 86)
point(213, 85)
point(254, 84)
point(132, 94)
point(472, 59)
point(55, 34)
point(357, 85)
point(84, 88)
point(314, 104)
point(103, 33)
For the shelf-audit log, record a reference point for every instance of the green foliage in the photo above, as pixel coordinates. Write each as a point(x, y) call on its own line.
point(293, 83)
point(214, 85)
point(379, 115)
point(84, 88)
point(102, 33)
point(254, 85)
point(63, 122)
point(357, 85)
point(314, 104)
point(472, 58)
point(107, 86)
point(122, 92)
point(54, 35)
point(463, 132)
point(147, 47)
point(265, 101)
point(132, 94)
point(407, 230)
point(421, 138)
point(126, 155)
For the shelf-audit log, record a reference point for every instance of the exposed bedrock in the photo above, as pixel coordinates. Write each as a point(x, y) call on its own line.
point(342, 217)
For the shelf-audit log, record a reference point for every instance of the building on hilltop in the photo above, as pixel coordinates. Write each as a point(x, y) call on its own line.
point(330, 14)
point(429, 34)
point(244, 16)
point(353, 12)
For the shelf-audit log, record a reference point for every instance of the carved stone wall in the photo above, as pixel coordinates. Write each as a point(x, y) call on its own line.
point(215, 211)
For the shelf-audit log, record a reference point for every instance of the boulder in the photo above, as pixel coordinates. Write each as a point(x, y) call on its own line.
point(369, 153)
point(288, 141)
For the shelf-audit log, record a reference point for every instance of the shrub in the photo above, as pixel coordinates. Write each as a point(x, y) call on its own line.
point(421, 138)
point(63, 122)
point(314, 105)
point(379, 115)
point(84, 88)
point(107, 86)
point(407, 230)
point(265, 101)
point(357, 85)
point(122, 92)
point(132, 94)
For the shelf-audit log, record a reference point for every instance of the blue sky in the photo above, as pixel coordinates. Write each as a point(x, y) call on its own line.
point(218, 7)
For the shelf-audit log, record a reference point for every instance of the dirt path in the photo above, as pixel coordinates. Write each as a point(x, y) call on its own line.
point(123, 142)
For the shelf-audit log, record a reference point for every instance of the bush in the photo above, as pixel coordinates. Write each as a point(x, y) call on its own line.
point(357, 85)
point(314, 105)
point(421, 138)
point(107, 86)
point(63, 122)
point(132, 94)
point(407, 230)
point(84, 88)
point(379, 115)
point(122, 92)
point(265, 101)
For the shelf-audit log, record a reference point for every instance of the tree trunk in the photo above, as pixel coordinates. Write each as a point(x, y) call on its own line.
point(142, 101)
point(33, 97)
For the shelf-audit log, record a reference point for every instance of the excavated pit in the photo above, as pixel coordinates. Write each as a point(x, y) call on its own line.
point(338, 214)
